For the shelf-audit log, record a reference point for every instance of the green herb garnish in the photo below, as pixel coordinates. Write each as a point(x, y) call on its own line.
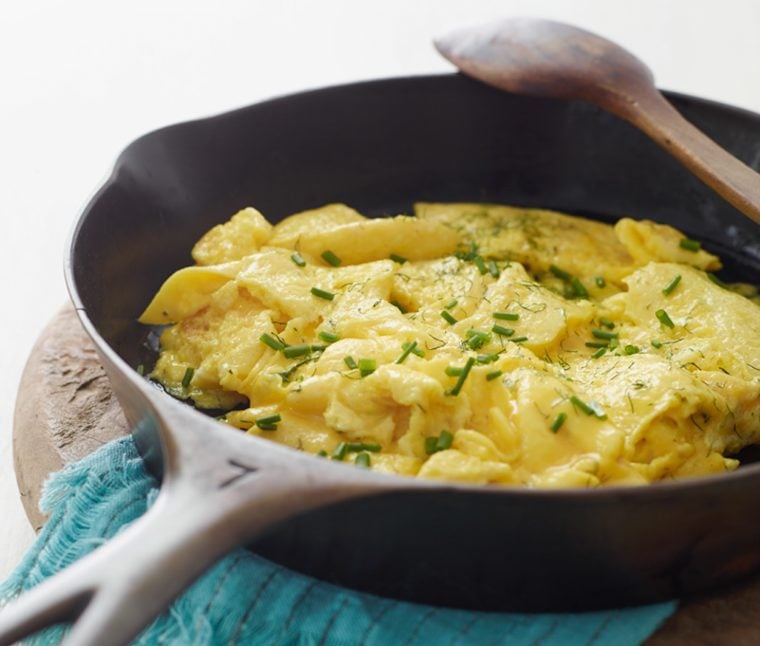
point(579, 403)
point(321, 293)
point(599, 352)
point(668, 289)
point(494, 375)
point(716, 280)
point(441, 443)
point(656, 344)
point(604, 334)
point(506, 316)
point(330, 258)
point(558, 422)
point(363, 460)
point(465, 371)
point(518, 339)
point(340, 451)
point(293, 351)
point(597, 344)
point(363, 446)
point(275, 344)
point(453, 371)
point(367, 367)
point(690, 245)
point(448, 317)
point(452, 303)
point(600, 282)
point(662, 317)
point(187, 377)
point(408, 348)
point(560, 273)
point(607, 323)
point(480, 264)
point(268, 423)
point(298, 259)
point(631, 349)
point(328, 337)
point(493, 268)
point(349, 361)
point(476, 339)
point(578, 288)
point(502, 331)
point(397, 259)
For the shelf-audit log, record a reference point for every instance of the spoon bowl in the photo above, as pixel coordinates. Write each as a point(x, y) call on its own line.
point(552, 59)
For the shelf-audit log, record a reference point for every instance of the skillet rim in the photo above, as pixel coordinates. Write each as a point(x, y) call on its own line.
point(656, 490)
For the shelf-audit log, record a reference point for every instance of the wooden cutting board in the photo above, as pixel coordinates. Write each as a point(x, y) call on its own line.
point(65, 410)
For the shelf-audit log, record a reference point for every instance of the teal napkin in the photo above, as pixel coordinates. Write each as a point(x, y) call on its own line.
point(245, 599)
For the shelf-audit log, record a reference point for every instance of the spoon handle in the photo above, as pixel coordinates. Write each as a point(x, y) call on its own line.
point(732, 179)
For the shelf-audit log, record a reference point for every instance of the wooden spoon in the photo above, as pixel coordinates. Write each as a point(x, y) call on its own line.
point(552, 59)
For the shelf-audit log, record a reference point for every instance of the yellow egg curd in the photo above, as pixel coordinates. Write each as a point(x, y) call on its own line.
point(474, 343)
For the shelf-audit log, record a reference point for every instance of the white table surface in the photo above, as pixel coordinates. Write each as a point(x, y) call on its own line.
point(81, 79)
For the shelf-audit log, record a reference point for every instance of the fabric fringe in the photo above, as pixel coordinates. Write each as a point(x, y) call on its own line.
point(245, 599)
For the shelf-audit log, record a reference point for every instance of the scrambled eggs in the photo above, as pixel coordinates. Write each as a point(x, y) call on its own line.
point(474, 343)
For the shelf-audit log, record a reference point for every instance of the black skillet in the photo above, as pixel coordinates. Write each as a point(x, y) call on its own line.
point(380, 146)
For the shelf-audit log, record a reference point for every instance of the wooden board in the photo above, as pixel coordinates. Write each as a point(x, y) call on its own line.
point(65, 410)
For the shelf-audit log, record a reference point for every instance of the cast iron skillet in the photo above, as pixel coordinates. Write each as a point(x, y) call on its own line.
point(379, 146)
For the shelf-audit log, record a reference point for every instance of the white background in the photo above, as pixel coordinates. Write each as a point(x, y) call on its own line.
point(79, 80)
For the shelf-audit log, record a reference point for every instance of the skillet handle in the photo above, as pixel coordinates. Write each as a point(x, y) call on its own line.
point(205, 509)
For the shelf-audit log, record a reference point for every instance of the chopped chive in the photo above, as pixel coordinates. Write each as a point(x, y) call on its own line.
point(578, 288)
point(448, 317)
point(349, 361)
point(141, 369)
point(444, 441)
point(716, 280)
point(607, 323)
point(506, 316)
point(519, 339)
point(453, 371)
point(502, 331)
point(189, 372)
point(486, 358)
point(494, 375)
point(318, 348)
point(668, 289)
point(690, 245)
point(476, 339)
point(367, 367)
point(293, 351)
point(480, 264)
point(321, 293)
point(415, 350)
point(275, 344)
point(397, 259)
point(328, 337)
point(430, 443)
point(268, 423)
point(408, 349)
point(330, 258)
point(579, 403)
point(597, 410)
point(398, 305)
point(465, 371)
point(298, 259)
point(604, 334)
point(597, 344)
point(363, 446)
point(560, 273)
point(631, 349)
point(363, 460)
point(493, 268)
point(322, 453)
point(558, 422)
point(599, 352)
point(656, 344)
point(600, 282)
point(452, 303)
point(340, 451)
point(662, 317)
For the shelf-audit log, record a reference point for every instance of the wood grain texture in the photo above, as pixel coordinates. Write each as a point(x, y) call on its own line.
point(66, 409)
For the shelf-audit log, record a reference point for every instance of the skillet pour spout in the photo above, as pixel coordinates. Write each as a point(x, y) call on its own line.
point(207, 506)
point(380, 146)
